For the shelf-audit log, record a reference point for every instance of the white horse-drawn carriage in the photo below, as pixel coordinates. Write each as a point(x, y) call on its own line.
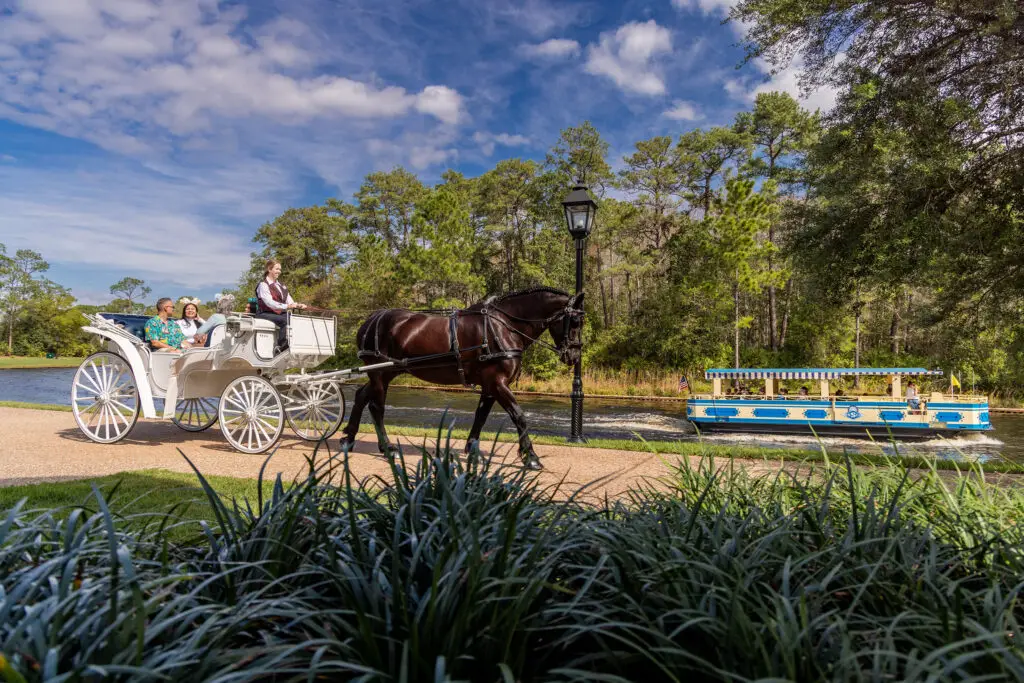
point(237, 379)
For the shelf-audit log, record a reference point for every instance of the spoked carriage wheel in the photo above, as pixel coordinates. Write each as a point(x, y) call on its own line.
point(251, 414)
point(105, 397)
point(314, 411)
point(195, 414)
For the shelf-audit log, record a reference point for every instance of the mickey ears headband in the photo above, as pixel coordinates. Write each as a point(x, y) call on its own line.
point(223, 295)
point(185, 300)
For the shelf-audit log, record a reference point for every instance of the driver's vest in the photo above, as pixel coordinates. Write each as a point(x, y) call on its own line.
point(278, 293)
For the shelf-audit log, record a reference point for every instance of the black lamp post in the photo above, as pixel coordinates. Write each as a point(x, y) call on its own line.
point(580, 210)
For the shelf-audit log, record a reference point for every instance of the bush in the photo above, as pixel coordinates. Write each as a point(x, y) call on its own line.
point(474, 571)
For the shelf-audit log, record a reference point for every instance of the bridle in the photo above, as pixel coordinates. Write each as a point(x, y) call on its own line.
point(571, 316)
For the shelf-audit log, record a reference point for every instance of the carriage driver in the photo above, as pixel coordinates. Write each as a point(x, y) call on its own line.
point(162, 332)
point(274, 301)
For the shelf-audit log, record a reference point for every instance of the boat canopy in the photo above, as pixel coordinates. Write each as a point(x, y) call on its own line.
point(811, 373)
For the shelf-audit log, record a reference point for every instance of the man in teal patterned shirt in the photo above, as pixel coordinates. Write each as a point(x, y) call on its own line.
point(163, 333)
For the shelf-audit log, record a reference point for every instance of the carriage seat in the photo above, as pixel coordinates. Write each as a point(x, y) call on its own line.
point(129, 322)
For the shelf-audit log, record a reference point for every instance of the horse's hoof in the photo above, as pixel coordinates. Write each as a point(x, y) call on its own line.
point(532, 462)
point(387, 448)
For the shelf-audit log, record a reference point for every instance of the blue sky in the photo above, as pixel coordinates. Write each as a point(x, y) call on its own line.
point(153, 137)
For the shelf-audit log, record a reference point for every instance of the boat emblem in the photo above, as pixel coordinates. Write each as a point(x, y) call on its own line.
point(852, 413)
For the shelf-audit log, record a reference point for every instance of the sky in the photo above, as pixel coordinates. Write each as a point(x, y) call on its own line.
point(152, 138)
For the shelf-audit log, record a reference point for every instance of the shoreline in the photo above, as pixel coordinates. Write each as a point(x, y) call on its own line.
point(454, 389)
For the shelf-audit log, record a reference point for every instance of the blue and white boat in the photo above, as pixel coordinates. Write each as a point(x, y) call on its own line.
point(821, 412)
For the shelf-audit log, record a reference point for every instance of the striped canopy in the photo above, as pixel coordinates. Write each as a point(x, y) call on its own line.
point(811, 373)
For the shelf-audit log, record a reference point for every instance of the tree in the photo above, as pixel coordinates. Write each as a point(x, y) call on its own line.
point(944, 83)
point(18, 285)
point(733, 232)
point(385, 206)
point(580, 157)
point(652, 175)
point(310, 242)
point(707, 158)
point(438, 260)
point(510, 204)
point(781, 132)
point(129, 291)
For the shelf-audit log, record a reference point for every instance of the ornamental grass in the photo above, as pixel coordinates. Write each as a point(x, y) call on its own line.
point(468, 569)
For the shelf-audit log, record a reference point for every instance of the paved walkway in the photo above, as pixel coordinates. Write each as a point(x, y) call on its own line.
point(42, 445)
point(39, 445)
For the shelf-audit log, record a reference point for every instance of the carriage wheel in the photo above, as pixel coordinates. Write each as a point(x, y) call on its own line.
point(195, 414)
point(105, 397)
point(314, 412)
point(251, 414)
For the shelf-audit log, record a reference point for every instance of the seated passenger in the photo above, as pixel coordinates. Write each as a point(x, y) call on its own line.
point(274, 302)
point(225, 302)
point(163, 333)
point(913, 401)
point(190, 322)
point(803, 391)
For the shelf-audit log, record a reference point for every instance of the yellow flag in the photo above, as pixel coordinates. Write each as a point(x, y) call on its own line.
point(953, 381)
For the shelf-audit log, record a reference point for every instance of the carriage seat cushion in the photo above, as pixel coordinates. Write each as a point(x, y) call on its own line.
point(263, 325)
point(135, 324)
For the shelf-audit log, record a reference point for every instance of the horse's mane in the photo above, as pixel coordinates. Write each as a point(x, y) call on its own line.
point(531, 290)
point(512, 295)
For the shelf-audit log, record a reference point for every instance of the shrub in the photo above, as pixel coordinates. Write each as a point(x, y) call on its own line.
point(472, 570)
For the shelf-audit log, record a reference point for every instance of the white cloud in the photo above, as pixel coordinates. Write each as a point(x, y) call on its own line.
point(7, 158)
point(555, 48)
point(98, 69)
point(627, 57)
point(706, 6)
point(683, 111)
point(122, 224)
point(539, 17)
point(488, 141)
point(443, 103)
point(787, 80)
point(419, 150)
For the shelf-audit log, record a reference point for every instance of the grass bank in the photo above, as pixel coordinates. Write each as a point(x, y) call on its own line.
point(22, 362)
point(471, 571)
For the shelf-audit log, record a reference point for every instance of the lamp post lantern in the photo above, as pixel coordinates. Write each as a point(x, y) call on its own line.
point(580, 210)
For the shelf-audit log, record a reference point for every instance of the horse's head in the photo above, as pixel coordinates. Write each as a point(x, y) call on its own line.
point(567, 330)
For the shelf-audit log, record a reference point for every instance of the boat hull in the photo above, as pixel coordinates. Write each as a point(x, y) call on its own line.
point(880, 433)
point(867, 418)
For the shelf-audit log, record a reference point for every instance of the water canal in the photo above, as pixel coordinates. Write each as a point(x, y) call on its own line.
point(621, 419)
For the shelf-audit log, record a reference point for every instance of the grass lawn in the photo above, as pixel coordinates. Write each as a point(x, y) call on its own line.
point(22, 362)
point(134, 493)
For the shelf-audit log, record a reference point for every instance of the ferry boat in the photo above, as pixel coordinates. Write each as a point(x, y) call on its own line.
point(821, 412)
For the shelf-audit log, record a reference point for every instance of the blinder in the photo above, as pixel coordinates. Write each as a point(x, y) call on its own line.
point(572, 328)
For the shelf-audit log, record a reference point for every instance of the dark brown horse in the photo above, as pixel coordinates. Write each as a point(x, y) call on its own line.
point(482, 344)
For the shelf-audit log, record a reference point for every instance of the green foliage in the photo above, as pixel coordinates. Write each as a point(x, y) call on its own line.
point(129, 292)
point(475, 571)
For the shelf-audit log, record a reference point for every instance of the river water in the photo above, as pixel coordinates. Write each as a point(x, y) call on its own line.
point(621, 419)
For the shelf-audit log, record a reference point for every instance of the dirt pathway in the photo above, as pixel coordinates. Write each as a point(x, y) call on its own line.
point(40, 445)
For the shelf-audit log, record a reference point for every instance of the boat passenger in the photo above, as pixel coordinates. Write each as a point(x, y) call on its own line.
point(190, 323)
point(803, 391)
point(274, 301)
point(162, 333)
point(913, 401)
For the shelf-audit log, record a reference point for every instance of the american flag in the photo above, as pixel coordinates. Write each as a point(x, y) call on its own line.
point(683, 384)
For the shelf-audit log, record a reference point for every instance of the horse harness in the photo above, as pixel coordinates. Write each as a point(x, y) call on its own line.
point(569, 314)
